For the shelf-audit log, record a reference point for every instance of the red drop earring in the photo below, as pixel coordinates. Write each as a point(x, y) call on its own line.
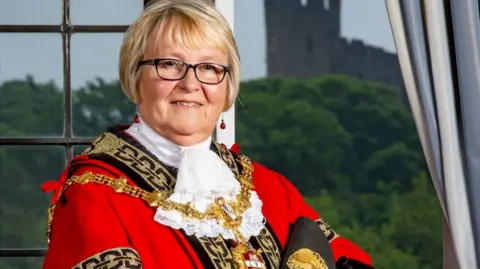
point(222, 124)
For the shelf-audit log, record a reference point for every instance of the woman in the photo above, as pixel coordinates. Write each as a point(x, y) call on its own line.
point(161, 193)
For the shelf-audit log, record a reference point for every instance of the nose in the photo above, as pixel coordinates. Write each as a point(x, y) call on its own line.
point(190, 82)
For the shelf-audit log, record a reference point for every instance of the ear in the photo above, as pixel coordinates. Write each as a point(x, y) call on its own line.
point(137, 96)
point(227, 102)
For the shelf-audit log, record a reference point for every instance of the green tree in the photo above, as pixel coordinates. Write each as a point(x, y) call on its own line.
point(349, 146)
point(26, 109)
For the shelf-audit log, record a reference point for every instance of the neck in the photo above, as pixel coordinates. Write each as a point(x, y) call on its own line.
point(164, 149)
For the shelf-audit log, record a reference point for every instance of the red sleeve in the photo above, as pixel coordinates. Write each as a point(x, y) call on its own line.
point(87, 231)
point(297, 206)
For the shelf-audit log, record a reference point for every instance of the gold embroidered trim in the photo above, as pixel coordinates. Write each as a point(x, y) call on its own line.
point(218, 252)
point(115, 258)
point(305, 258)
point(327, 230)
point(228, 158)
point(152, 172)
point(155, 174)
point(270, 247)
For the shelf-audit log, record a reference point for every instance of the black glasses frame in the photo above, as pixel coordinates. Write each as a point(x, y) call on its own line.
point(155, 62)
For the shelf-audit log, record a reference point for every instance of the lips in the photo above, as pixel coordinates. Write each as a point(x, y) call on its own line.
point(187, 103)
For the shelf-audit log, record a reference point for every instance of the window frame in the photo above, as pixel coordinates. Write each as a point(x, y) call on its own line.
point(66, 29)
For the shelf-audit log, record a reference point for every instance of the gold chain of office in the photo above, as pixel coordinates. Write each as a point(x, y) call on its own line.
point(220, 210)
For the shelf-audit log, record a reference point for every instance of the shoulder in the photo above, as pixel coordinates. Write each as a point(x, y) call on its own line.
point(84, 193)
point(277, 191)
point(83, 223)
point(73, 190)
point(82, 170)
point(264, 177)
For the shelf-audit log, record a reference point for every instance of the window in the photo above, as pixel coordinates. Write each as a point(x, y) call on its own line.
point(54, 54)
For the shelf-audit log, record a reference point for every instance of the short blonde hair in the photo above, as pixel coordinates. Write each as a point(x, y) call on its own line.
point(191, 23)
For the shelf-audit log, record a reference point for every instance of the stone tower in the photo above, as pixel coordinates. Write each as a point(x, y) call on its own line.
point(303, 40)
point(301, 36)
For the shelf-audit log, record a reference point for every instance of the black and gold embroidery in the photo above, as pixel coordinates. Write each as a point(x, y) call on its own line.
point(114, 147)
point(271, 249)
point(216, 251)
point(116, 258)
point(227, 156)
point(327, 230)
point(151, 171)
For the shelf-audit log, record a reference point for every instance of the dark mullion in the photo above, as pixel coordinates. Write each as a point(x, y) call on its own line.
point(42, 141)
point(66, 37)
point(99, 28)
point(22, 252)
point(60, 29)
point(31, 28)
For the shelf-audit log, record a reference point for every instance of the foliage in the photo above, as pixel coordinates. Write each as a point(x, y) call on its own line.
point(348, 146)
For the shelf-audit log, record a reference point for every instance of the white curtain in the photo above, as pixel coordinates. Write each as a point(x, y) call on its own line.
point(438, 49)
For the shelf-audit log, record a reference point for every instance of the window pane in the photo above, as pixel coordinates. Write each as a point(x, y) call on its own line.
point(77, 150)
point(31, 12)
point(31, 80)
point(329, 102)
point(105, 12)
point(23, 205)
point(21, 263)
point(98, 99)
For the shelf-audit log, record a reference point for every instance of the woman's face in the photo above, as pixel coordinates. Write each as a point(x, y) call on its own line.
point(184, 111)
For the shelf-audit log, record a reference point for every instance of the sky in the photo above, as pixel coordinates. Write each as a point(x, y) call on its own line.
point(96, 55)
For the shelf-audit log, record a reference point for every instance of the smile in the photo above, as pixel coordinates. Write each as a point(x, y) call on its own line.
point(187, 104)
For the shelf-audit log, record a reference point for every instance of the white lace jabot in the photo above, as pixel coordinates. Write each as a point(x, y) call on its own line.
point(202, 177)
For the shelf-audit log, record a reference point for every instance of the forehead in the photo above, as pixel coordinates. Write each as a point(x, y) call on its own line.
point(183, 35)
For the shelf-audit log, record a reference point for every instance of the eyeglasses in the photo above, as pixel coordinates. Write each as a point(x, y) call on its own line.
point(173, 69)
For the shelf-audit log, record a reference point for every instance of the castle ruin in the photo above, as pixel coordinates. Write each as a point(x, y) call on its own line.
point(303, 40)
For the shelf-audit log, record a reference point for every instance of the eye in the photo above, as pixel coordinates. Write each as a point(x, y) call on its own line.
point(208, 67)
point(169, 63)
point(212, 68)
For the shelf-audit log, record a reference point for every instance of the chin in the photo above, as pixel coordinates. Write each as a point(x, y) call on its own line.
point(188, 131)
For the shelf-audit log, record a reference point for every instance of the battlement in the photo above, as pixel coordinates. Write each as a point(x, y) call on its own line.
point(306, 34)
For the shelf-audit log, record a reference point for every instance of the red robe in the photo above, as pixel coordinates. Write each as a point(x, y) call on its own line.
point(93, 225)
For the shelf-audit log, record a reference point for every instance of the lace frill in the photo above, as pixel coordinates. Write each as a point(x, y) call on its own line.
point(253, 221)
point(202, 177)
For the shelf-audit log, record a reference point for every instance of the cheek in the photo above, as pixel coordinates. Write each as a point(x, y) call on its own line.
point(155, 91)
point(216, 96)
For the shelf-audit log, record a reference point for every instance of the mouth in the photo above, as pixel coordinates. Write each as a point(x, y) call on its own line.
point(187, 103)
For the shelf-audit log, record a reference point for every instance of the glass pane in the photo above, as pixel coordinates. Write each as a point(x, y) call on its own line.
point(98, 99)
point(328, 101)
point(21, 262)
point(105, 12)
point(31, 12)
point(31, 85)
point(77, 150)
point(23, 205)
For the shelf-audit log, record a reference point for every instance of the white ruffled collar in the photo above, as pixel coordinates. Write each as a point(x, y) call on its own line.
point(202, 177)
point(164, 149)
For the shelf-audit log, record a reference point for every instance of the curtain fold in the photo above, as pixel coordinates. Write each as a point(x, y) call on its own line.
point(466, 34)
point(438, 50)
